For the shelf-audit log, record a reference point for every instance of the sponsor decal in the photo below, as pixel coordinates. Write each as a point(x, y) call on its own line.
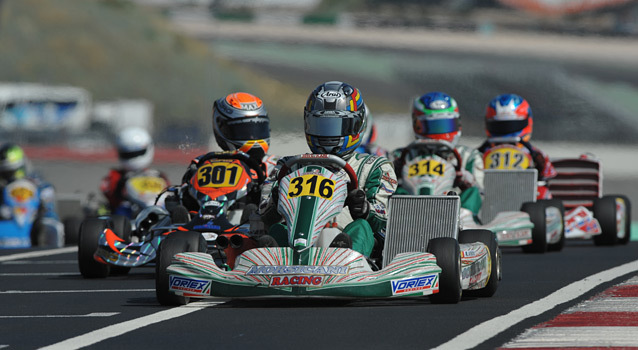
point(297, 270)
point(515, 234)
point(331, 94)
point(474, 279)
point(189, 285)
point(379, 208)
point(412, 285)
point(296, 281)
point(386, 177)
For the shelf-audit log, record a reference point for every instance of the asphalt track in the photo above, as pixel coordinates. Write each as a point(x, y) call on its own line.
point(46, 303)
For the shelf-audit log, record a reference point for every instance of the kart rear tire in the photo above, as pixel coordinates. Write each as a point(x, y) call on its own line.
point(72, 230)
point(488, 238)
point(536, 211)
point(605, 212)
point(627, 236)
point(448, 258)
point(121, 226)
point(90, 231)
point(558, 246)
point(174, 243)
point(38, 233)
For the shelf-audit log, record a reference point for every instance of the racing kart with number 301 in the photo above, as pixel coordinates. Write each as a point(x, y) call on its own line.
point(113, 242)
point(312, 191)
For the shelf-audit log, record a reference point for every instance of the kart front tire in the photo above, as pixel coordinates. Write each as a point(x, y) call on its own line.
point(176, 242)
point(90, 231)
point(179, 215)
point(605, 212)
point(536, 211)
point(448, 258)
point(558, 246)
point(488, 238)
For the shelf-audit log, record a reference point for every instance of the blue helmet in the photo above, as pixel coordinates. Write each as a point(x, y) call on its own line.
point(509, 115)
point(435, 115)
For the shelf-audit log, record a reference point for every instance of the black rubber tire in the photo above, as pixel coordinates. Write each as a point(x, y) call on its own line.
point(176, 242)
point(121, 226)
point(448, 258)
point(72, 230)
point(38, 233)
point(488, 238)
point(180, 215)
point(627, 236)
point(536, 211)
point(90, 231)
point(605, 212)
point(558, 246)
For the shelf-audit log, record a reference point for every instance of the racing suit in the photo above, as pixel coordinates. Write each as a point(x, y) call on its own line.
point(376, 178)
point(469, 186)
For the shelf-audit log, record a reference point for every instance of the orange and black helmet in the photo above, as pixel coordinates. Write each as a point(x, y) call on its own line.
point(240, 122)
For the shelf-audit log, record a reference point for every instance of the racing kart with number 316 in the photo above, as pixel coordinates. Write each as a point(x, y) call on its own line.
point(312, 191)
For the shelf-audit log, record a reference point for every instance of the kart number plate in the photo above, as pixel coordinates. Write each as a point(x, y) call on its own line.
point(21, 194)
point(219, 175)
point(148, 184)
point(426, 167)
point(507, 158)
point(311, 185)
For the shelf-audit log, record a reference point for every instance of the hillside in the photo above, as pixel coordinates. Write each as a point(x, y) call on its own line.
point(116, 49)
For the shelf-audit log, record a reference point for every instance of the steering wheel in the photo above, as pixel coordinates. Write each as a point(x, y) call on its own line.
point(427, 147)
point(327, 160)
point(241, 156)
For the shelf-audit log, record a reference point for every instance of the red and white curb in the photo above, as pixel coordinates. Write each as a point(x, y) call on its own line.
point(608, 320)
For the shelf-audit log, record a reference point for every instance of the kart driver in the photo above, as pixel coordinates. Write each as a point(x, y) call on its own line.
point(435, 116)
point(15, 165)
point(135, 151)
point(240, 123)
point(510, 116)
point(335, 119)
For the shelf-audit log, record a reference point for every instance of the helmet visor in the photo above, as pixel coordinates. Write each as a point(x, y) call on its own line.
point(131, 154)
point(246, 129)
point(333, 123)
point(437, 126)
point(505, 127)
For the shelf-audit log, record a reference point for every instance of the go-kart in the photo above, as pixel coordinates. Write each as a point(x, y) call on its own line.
point(22, 224)
point(579, 185)
point(432, 166)
point(139, 191)
point(311, 191)
point(219, 181)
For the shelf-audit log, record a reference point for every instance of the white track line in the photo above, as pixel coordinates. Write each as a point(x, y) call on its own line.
point(74, 291)
point(486, 330)
point(38, 253)
point(93, 314)
point(121, 328)
point(41, 262)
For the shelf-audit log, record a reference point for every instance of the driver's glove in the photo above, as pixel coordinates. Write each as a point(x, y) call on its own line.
point(464, 180)
point(357, 203)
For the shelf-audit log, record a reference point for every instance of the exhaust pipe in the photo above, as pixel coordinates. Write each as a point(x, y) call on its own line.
point(222, 242)
point(236, 241)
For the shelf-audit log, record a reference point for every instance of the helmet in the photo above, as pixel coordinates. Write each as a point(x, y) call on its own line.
point(509, 115)
point(240, 122)
point(435, 115)
point(334, 119)
point(135, 148)
point(13, 162)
